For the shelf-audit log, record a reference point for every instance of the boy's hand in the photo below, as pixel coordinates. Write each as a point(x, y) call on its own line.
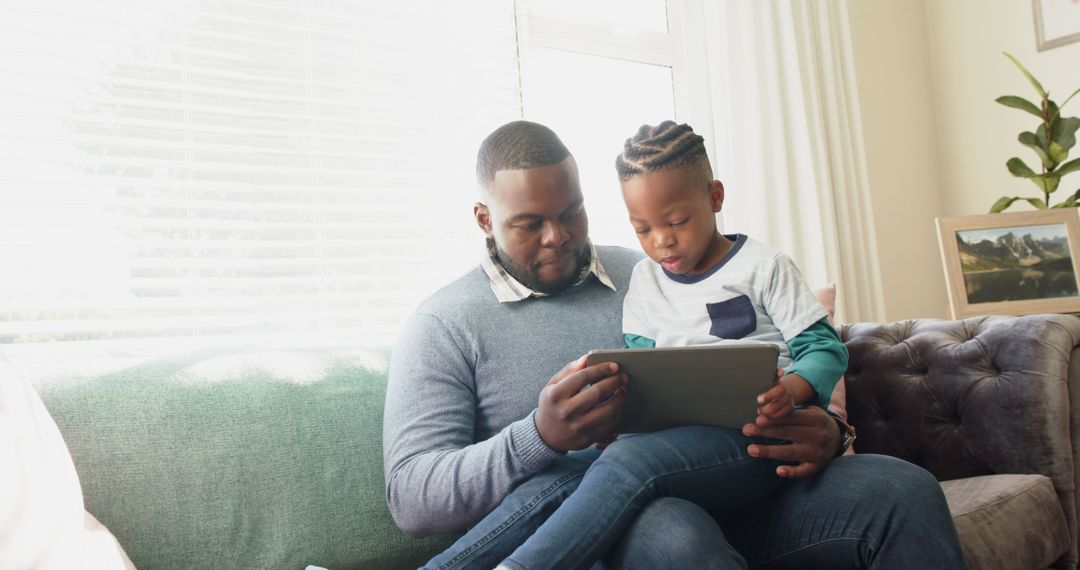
point(776, 402)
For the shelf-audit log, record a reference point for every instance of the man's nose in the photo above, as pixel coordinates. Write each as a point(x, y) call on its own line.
point(554, 234)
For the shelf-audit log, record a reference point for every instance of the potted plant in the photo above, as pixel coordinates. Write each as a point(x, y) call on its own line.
point(1051, 141)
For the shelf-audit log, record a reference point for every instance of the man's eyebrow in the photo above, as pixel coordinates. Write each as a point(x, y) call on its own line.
point(525, 217)
point(530, 217)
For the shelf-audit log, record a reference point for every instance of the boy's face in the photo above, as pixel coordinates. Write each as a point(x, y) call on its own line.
point(672, 211)
point(537, 220)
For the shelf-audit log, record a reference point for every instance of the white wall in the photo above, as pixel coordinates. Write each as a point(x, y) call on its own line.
point(893, 71)
point(936, 142)
point(976, 135)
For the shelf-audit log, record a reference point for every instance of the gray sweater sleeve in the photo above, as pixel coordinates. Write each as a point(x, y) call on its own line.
point(438, 479)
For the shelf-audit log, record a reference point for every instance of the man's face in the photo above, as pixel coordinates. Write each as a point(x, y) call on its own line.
point(536, 218)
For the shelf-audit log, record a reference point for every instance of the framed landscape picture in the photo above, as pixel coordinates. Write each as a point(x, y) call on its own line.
point(1012, 264)
point(1057, 22)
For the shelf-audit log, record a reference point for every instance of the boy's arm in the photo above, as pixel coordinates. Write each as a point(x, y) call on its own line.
point(818, 356)
point(819, 359)
point(638, 341)
point(637, 331)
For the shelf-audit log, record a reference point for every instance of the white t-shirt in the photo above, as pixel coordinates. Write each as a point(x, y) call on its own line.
point(755, 293)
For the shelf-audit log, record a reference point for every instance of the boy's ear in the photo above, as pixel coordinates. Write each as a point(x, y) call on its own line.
point(483, 218)
point(716, 195)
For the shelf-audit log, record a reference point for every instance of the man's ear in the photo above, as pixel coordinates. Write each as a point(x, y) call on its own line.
point(716, 195)
point(483, 218)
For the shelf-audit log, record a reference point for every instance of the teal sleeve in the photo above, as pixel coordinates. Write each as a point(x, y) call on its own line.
point(820, 356)
point(638, 341)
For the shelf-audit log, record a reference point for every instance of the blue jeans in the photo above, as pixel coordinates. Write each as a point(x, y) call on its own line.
point(863, 511)
point(570, 516)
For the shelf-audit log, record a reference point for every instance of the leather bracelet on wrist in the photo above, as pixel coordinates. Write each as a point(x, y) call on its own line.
point(847, 432)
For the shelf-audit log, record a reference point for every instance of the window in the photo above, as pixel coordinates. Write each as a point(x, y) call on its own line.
point(203, 169)
point(595, 71)
point(191, 168)
point(594, 75)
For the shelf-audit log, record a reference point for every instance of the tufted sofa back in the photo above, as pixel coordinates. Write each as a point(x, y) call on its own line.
point(956, 396)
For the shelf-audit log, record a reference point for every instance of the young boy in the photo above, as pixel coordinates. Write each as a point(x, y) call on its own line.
point(701, 287)
point(697, 287)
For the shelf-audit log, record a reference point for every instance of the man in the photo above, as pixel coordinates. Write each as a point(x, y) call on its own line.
point(479, 433)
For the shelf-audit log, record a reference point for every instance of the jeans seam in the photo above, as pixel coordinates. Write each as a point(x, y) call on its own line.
point(873, 546)
point(514, 517)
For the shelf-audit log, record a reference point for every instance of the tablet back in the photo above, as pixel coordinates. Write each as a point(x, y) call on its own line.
point(714, 385)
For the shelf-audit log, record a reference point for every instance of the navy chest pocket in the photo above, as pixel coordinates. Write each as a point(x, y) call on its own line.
point(732, 319)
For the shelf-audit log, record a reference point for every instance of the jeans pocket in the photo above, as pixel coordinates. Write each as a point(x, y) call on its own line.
point(732, 319)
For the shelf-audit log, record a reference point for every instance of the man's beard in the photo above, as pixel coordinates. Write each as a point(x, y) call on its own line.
point(529, 278)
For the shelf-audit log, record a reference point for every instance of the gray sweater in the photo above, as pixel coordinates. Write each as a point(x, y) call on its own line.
point(458, 433)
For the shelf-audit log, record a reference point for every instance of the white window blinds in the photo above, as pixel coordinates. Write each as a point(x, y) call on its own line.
point(204, 167)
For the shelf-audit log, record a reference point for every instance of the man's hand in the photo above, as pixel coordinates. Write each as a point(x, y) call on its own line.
point(814, 439)
point(581, 405)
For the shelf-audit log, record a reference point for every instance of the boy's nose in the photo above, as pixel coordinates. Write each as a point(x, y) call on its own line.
point(663, 239)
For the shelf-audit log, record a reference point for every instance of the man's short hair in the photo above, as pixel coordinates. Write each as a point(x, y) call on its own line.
point(667, 145)
point(517, 145)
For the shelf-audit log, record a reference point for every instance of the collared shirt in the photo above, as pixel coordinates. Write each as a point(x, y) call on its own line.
point(510, 290)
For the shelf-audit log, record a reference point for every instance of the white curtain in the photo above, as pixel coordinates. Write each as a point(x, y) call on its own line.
point(789, 140)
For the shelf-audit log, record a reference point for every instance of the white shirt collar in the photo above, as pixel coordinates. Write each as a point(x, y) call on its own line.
point(510, 290)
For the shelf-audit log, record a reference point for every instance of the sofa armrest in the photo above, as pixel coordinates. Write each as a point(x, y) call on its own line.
point(979, 396)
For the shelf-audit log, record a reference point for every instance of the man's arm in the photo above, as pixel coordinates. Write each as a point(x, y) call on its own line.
point(438, 478)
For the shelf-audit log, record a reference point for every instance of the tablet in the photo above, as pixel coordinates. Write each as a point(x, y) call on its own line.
point(714, 385)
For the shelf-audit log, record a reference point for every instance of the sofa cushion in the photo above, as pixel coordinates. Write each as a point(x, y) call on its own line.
point(1008, 521)
point(239, 458)
point(955, 397)
point(43, 524)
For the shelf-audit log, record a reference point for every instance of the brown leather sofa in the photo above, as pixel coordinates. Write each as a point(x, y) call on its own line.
point(983, 404)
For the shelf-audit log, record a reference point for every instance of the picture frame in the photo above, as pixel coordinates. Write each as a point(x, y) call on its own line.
point(1057, 22)
point(1017, 263)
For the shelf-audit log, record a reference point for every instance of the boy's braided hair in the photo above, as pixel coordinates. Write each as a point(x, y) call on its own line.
point(666, 145)
point(517, 145)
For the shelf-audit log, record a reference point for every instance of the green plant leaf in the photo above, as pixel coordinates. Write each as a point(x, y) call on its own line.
point(1040, 135)
point(1037, 202)
point(1071, 201)
point(1028, 139)
point(1034, 82)
point(1003, 203)
point(1019, 169)
point(1058, 154)
point(1066, 101)
point(1064, 132)
point(1047, 183)
point(1071, 166)
point(1020, 103)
